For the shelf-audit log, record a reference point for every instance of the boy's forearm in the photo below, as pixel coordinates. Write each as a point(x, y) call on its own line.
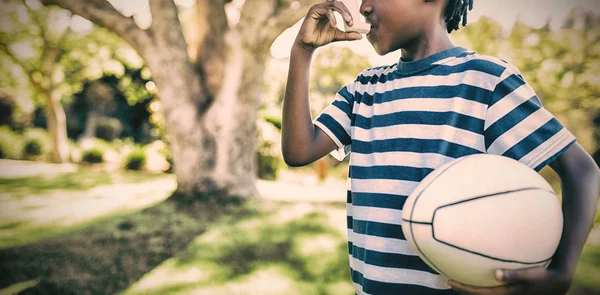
point(580, 190)
point(297, 127)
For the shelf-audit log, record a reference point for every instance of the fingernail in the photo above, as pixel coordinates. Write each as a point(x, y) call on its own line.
point(499, 275)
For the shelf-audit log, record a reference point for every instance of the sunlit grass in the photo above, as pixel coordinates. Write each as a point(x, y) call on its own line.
point(268, 253)
point(74, 181)
point(40, 207)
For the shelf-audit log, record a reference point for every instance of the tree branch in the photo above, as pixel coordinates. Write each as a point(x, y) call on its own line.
point(165, 21)
point(268, 19)
point(102, 13)
point(61, 40)
point(28, 72)
point(211, 48)
point(287, 15)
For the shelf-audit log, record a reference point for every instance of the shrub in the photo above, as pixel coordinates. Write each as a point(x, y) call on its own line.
point(36, 143)
point(108, 129)
point(10, 144)
point(267, 147)
point(8, 107)
point(135, 160)
point(93, 156)
point(268, 166)
point(33, 148)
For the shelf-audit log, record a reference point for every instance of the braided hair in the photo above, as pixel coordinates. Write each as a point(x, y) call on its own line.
point(456, 10)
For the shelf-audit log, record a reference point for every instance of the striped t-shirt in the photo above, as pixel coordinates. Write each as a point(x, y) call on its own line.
point(399, 123)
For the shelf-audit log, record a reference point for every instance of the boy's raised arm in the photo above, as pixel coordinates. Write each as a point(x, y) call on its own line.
point(302, 142)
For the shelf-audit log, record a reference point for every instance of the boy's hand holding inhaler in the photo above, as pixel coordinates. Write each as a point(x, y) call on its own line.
point(320, 26)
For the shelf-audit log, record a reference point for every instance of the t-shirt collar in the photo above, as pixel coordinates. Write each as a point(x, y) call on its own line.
point(407, 67)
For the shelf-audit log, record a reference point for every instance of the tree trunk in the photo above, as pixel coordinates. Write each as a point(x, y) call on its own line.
point(213, 149)
point(90, 125)
point(232, 118)
point(57, 127)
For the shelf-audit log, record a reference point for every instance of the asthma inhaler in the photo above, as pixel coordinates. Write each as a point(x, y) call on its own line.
point(358, 21)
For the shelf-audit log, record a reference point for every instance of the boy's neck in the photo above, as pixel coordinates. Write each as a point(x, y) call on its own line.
point(427, 45)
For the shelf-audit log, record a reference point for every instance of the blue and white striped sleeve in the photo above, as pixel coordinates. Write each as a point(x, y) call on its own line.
point(335, 120)
point(519, 127)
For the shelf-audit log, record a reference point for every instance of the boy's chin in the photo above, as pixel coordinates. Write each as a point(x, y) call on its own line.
point(380, 50)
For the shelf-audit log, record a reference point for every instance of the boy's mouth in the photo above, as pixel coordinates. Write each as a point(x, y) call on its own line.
point(373, 27)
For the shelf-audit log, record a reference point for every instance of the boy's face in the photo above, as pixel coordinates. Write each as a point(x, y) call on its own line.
point(397, 24)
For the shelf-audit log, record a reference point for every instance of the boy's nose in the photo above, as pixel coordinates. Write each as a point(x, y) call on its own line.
point(366, 9)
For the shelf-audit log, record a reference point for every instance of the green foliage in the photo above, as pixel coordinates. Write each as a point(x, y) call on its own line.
point(275, 121)
point(33, 148)
point(36, 143)
point(10, 144)
point(135, 160)
point(267, 151)
point(334, 67)
point(268, 165)
point(562, 66)
point(93, 156)
point(7, 109)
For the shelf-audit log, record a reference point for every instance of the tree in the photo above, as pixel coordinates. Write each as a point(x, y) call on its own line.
point(40, 70)
point(209, 98)
point(56, 55)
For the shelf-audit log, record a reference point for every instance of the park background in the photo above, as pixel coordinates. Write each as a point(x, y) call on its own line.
point(140, 151)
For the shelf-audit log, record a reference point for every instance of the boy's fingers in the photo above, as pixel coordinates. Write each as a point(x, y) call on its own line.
point(520, 275)
point(346, 36)
point(331, 17)
point(342, 9)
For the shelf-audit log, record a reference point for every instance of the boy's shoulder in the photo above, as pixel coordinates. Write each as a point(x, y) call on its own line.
point(474, 61)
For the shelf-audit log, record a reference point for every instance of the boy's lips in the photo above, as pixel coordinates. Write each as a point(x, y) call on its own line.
point(373, 25)
point(372, 30)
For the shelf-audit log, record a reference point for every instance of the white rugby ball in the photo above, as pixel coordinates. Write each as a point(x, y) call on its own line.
point(480, 213)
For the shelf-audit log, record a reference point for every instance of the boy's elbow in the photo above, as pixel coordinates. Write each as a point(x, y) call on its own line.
point(293, 160)
point(293, 163)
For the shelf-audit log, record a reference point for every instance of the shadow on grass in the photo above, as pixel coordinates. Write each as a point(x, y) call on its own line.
point(110, 255)
point(254, 254)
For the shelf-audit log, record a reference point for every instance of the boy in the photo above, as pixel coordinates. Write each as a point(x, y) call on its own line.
point(399, 122)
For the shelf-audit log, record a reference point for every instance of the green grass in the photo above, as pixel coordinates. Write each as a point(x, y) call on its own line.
point(24, 219)
point(258, 247)
point(287, 249)
point(104, 256)
point(587, 276)
point(75, 181)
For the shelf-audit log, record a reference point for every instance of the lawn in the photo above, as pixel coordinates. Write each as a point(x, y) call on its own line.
point(92, 232)
point(37, 207)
